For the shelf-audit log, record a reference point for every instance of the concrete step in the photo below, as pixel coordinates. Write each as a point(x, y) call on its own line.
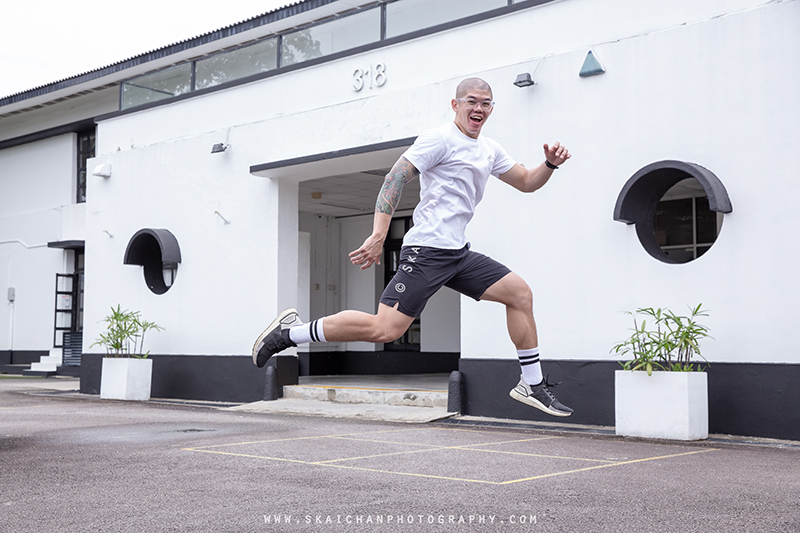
point(48, 363)
point(340, 394)
point(384, 413)
point(44, 366)
point(394, 398)
point(40, 373)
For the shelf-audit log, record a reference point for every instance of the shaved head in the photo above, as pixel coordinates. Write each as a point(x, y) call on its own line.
point(472, 84)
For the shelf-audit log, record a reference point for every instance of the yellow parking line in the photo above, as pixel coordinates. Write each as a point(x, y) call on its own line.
point(414, 475)
point(438, 445)
point(329, 461)
point(470, 447)
point(537, 455)
point(512, 441)
point(479, 447)
point(605, 466)
point(323, 463)
point(339, 435)
point(269, 441)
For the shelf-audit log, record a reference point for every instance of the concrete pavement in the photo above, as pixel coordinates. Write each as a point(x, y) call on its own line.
point(77, 463)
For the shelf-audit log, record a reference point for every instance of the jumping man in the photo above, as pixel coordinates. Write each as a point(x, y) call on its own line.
point(453, 164)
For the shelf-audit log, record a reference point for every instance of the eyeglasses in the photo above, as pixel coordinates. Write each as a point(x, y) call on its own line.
point(486, 105)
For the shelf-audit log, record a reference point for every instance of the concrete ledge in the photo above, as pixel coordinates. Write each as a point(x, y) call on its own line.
point(385, 413)
point(33, 372)
point(414, 398)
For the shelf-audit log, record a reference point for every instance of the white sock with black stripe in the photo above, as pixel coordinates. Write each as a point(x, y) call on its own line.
point(311, 332)
point(531, 368)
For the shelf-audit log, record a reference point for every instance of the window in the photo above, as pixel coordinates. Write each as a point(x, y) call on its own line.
point(331, 37)
point(159, 254)
point(157, 86)
point(677, 208)
point(85, 152)
point(239, 63)
point(406, 16)
point(685, 227)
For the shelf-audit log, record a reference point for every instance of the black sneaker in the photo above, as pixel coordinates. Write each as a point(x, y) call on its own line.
point(275, 338)
point(540, 397)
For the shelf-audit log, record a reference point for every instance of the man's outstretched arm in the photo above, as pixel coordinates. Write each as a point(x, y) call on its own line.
point(388, 199)
point(529, 180)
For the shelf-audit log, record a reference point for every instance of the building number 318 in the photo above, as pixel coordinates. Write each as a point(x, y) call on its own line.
point(369, 77)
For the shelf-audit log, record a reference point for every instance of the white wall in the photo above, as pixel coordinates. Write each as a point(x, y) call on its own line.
point(36, 188)
point(37, 176)
point(6, 307)
point(682, 83)
point(227, 286)
point(700, 93)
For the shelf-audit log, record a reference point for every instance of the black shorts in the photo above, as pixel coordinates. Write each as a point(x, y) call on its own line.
point(424, 270)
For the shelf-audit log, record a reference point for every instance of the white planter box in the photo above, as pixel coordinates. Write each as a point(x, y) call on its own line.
point(666, 405)
point(126, 379)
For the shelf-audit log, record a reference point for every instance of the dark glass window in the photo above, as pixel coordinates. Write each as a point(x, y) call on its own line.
point(685, 228)
point(86, 141)
point(411, 341)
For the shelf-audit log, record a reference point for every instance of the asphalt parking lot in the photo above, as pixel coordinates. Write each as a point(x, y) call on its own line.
point(77, 463)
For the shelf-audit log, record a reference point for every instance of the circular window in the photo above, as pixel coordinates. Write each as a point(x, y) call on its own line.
point(677, 208)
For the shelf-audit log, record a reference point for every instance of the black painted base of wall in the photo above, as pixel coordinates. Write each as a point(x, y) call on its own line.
point(376, 363)
point(236, 379)
point(750, 399)
point(16, 370)
point(21, 357)
point(196, 377)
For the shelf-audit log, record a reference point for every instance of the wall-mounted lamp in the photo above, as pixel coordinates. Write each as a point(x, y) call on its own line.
point(524, 80)
point(591, 65)
point(219, 147)
point(103, 171)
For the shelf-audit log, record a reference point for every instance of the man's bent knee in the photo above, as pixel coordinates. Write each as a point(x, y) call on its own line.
point(511, 291)
point(390, 324)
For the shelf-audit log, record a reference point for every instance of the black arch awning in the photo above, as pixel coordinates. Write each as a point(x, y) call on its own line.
point(156, 250)
point(640, 195)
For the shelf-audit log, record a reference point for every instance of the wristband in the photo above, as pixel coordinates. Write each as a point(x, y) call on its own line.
point(550, 165)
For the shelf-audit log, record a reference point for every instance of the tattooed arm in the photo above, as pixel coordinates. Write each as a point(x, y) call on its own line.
point(370, 252)
point(402, 172)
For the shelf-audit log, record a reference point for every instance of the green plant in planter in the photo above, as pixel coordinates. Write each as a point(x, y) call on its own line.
point(124, 336)
point(669, 344)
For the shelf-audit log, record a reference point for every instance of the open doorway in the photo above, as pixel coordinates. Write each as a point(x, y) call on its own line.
point(335, 216)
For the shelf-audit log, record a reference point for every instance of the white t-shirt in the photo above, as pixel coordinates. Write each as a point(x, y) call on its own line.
point(454, 169)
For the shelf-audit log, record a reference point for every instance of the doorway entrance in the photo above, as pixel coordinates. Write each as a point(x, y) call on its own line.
point(335, 216)
point(336, 194)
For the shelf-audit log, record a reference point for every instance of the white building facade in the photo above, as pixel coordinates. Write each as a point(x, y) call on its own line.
point(251, 158)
